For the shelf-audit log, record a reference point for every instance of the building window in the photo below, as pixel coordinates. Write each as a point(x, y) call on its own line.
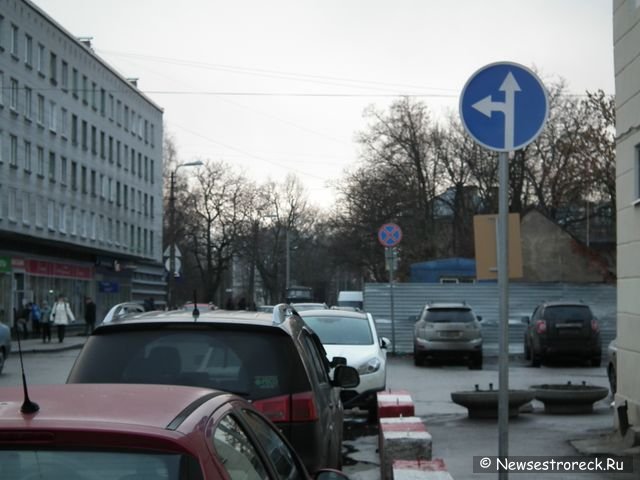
point(103, 148)
point(74, 82)
point(13, 104)
point(110, 149)
point(64, 75)
point(53, 68)
point(39, 212)
point(13, 151)
point(64, 120)
point(94, 226)
point(28, 100)
point(1, 88)
point(85, 89)
point(12, 205)
point(85, 139)
point(27, 156)
point(26, 208)
point(118, 112)
point(74, 129)
point(14, 40)
point(118, 159)
point(40, 171)
point(94, 140)
point(74, 175)
point(63, 219)
point(85, 224)
point(40, 118)
point(51, 215)
point(103, 102)
point(111, 107)
point(126, 118)
point(40, 59)
point(63, 170)
point(151, 206)
point(83, 179)
point(52, 167)
point(28, 50)
point(53, 116)
point(93, 183)
point(94, 95)
point(75, 218)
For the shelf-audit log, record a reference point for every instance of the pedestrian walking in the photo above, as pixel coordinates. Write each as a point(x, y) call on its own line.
point(45, 321)
point(35, 316)
point(22, 320)
point(89, 315)
point(62, 316)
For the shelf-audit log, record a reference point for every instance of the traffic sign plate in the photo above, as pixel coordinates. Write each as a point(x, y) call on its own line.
point(389, 235)
point(504, 106)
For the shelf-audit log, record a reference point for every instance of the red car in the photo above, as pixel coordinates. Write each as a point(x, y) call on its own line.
point(127, 432)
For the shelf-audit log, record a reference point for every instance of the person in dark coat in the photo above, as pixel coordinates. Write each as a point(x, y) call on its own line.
point(89, 315)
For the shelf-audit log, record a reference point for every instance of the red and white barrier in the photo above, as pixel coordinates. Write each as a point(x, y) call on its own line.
point(402, 438)
point(395, 403)
point(420, 470)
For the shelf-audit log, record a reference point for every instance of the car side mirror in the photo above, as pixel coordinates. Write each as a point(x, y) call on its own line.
point(384, 342)
point(479, 317)
point(524, 319)
point(346, 377)
point(335, 361)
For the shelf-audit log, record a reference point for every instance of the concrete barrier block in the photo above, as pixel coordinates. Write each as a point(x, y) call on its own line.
point(420, 470)
point(402, 438)
point(395, 403)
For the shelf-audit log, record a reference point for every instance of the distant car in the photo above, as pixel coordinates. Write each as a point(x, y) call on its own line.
point(448, 330)
point(612, 367)
point(562, 330)
point(274, 360)
point(352, 335)
point(300, 307)
point(5, 344)
point(127, 432)
point(121, 310)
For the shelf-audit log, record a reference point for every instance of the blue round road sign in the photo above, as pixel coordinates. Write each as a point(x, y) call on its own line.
point(389, 235)
point(504, 106)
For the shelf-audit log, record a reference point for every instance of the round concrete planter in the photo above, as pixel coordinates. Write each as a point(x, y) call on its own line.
point(568, 398)
point(484, 403)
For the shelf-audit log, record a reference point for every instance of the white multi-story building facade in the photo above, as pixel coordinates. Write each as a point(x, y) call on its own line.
point(626, 32)
point(80, 171)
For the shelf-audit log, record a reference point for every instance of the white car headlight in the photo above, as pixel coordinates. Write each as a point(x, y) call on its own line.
point(370, 366)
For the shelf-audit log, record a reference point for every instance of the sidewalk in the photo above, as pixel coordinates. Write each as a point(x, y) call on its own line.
point(72, 341)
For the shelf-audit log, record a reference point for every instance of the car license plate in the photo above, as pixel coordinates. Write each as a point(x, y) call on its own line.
point(450, 334)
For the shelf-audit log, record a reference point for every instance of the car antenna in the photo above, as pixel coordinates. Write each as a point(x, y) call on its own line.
point(27, 406)
point(196, 312)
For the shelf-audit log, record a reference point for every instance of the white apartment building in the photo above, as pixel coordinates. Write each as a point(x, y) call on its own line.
point(80, 171)
point(626, 33)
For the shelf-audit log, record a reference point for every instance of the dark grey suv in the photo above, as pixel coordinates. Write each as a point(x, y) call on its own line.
point(274, 360)
point(562, 330)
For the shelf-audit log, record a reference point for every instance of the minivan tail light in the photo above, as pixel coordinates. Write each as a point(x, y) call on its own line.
point(303, 407)
point(299, 407)
point(275, 409)
point(594, 325)
point(541, 326)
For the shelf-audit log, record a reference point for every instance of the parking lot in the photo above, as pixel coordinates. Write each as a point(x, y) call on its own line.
point(457, 439)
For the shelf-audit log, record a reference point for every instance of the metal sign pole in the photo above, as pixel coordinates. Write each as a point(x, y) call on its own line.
point(503, 283)
point(391, 259)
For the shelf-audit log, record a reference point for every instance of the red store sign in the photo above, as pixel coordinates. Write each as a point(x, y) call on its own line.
point(52, 269)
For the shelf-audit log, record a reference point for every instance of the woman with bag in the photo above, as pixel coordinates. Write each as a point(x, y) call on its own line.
point(62, 316)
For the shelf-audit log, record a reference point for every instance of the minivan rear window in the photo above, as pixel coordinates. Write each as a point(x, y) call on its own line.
point(449, 315)
point(253, 363)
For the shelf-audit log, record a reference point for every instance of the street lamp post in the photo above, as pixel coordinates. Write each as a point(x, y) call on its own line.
point(172, 226)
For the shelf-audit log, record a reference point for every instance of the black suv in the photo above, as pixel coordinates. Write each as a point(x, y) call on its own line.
point(274, 360)
point(562, 330)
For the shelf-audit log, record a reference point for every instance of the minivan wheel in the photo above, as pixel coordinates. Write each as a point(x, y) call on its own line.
point(418, 359)
point(527, 351)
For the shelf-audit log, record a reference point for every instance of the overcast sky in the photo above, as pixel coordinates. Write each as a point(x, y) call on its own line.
point(279, 86)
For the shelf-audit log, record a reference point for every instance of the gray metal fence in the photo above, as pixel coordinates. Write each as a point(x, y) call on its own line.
point(410, 298)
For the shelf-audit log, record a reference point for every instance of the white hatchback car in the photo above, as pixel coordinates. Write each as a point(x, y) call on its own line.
point(353, 335)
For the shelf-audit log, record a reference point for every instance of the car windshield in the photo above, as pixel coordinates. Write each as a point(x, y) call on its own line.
point(568, 312)
point(334, 330)
point(249, 362)
point(449, 315)
point(20, 464)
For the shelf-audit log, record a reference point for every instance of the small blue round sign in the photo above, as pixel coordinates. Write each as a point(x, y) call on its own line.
point(389, 235)
point(504, 106)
